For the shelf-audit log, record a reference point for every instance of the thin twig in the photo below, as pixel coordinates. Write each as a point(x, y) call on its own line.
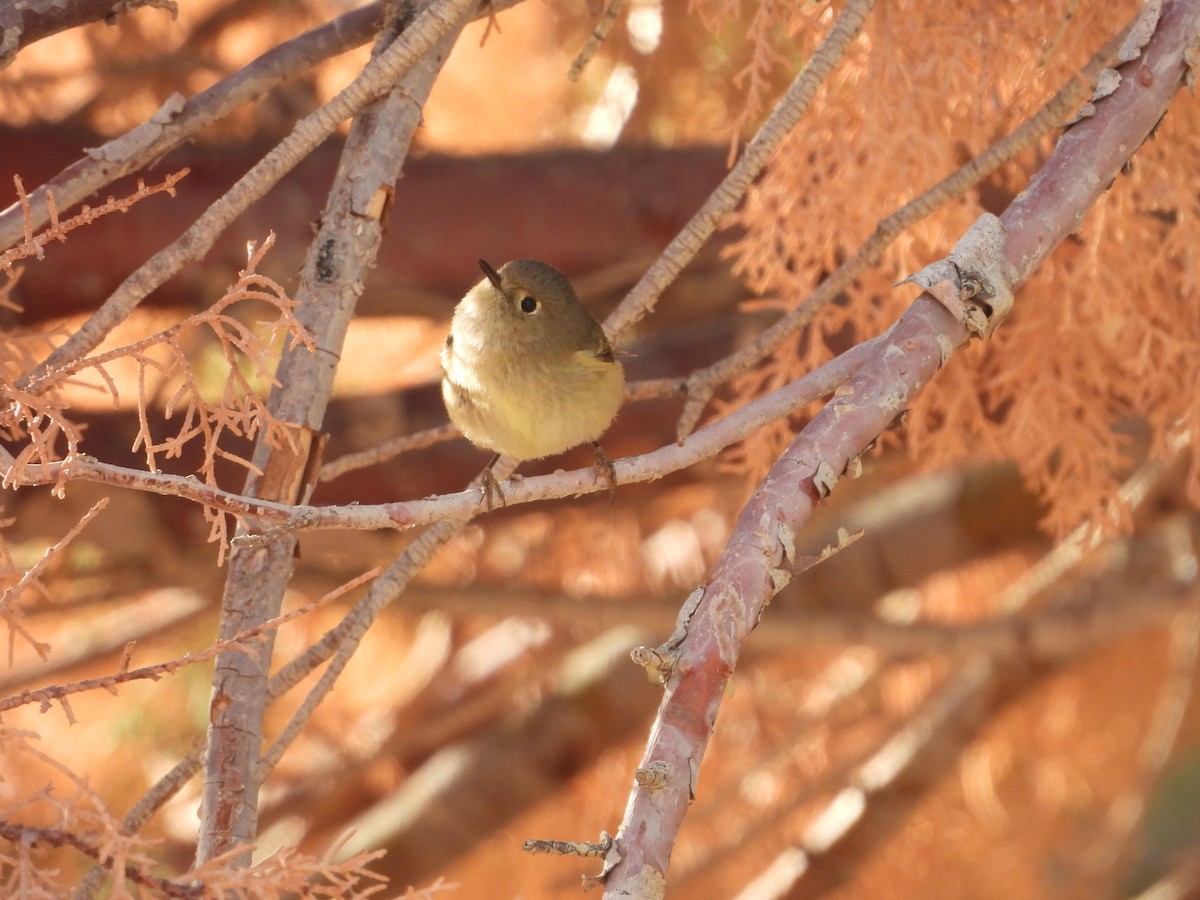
point(608, 19)
point(387, 450)
point(30, 576)
point(28, 835)
point(649, 389)
point(34, 244)
point(701, 445)
point(726, 196)
point(47, 696)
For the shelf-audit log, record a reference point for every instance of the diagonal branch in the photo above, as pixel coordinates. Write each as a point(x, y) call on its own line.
point(720, 615)
point(729, 193)
point(375, 80)
point(25, 23)
point(179, 119)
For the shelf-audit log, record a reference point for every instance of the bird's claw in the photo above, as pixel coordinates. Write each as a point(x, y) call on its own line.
point(606, 470)
point(490, 489)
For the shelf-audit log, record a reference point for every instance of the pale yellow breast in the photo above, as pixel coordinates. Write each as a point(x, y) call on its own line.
point(527, 408)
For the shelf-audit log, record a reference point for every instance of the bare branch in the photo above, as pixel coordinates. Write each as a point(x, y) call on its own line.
point(22, 24)
point(30, 577)
point(46, 696)
point(703, 444)
point(333, 276)
point(608, 19)
point(387, 450)
point(743, 580)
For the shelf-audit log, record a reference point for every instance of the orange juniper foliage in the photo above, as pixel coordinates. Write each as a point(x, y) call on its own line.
point(37, 415)
point(1103, 339)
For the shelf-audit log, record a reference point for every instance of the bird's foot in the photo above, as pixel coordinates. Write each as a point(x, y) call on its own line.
point(605, 470)
point(490, 488)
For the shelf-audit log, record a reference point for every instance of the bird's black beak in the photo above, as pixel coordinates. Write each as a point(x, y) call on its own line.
point(492, 275)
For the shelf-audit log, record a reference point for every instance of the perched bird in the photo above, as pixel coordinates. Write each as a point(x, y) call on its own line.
point(527, 370)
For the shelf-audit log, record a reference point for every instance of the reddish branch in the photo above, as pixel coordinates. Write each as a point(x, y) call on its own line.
point(756, 562)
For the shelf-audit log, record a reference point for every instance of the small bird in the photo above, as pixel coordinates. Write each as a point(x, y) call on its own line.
point(528, 372)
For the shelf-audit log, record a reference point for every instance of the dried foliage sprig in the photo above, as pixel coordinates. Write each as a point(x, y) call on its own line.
point(40, 422)
point(34, 244)
point(289, 873)
point(249, 357)
point(78, 819)
point(1069, 440)
point(704, 383)
point(37, 423)
point(771, 26)
point(28, 876)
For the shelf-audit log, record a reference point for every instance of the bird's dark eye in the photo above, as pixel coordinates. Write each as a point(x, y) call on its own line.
point(528, 304)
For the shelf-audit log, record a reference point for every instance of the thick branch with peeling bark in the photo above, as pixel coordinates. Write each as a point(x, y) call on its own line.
point(756, 560)
point(341, 254)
